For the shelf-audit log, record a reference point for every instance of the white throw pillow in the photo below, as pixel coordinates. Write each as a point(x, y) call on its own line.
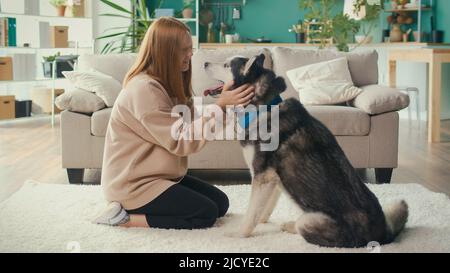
point(79, 100)
point(327, 82)
point(104, 86)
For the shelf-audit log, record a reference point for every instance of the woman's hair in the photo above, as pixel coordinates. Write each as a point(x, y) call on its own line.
point(160, 57)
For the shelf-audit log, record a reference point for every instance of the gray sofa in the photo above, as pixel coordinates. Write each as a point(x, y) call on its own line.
point(369, 141)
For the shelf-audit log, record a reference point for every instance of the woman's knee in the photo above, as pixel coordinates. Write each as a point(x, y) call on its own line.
point(223, 204)
point(207, 217)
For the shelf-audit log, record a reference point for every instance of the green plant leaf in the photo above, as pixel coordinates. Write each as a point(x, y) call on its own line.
point(114, 15)
point(111, 35)
point(132, 35)
point(115, 6)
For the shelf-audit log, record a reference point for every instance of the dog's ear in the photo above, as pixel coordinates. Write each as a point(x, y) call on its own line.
point(254, 61)
point(249, 65)
point(279, 84)
point(260, 60)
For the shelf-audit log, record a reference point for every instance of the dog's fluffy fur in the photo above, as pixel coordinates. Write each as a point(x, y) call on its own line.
point(339, 209)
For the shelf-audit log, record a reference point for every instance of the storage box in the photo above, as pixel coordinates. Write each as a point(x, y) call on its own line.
point(42, 100)
point(164, 12)
point(24, 66)
point(31, 7)
point(6, 69)
point(77, 9)
point(7, 107)
point(44, 34)
point(59, 36)
point(23, 108)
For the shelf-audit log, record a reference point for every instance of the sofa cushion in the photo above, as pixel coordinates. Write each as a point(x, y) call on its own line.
point(322, 83)
point(116, 65)
point(99, 122)
point(79, 100)
point(363, 65)
point(342, 120)
point(103, 85)
point(376, 99)
point(201, 81)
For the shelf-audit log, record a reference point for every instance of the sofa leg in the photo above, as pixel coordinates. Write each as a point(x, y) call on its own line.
point(383, 176)
point(75, 176)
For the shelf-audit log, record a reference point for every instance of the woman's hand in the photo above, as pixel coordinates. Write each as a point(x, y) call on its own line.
point(240, 96)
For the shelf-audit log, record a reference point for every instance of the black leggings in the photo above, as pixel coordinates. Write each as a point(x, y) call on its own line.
point(189, 204)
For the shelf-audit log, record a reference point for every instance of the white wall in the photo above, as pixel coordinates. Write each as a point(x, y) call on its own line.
point(102, 23)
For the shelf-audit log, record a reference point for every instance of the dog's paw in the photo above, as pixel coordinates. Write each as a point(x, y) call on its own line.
point(289, 227)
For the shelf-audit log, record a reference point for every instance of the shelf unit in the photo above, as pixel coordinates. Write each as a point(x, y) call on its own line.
point(77, 47)
point(191, 20)
point(13, 14)
point(422, 7)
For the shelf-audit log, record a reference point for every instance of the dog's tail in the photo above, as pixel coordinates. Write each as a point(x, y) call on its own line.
point(396, 216)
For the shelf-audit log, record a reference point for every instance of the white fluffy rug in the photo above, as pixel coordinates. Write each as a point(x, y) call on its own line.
point(56, 218)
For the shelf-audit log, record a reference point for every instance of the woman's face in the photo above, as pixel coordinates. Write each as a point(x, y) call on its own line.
point(186, 47)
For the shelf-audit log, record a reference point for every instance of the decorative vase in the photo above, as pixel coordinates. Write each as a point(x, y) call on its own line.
point(396, 34)
point(394, 5)
point(187, 13)
point(300, 37)
point(61, 10)
point(403, 3)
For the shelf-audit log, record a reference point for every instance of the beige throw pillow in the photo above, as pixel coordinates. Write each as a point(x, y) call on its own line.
point(376, 99)
point(104, 86)
point(326, 82)
point(81, 101)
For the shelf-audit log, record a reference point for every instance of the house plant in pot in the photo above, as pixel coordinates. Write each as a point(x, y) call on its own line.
point(299, 30)
point(188, 8)
point(334, 25)
point(60, 6)
point(47, 64)
point(367, 13)
point(128, 37)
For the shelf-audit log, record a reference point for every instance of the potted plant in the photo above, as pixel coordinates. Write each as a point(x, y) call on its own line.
point(188, 8)
point(47, 64)
point(396, 20)
point(128, 37)
point(75, 8)
point(371, 10)
point(332, 26)
point(299, 30)
point(60, 6)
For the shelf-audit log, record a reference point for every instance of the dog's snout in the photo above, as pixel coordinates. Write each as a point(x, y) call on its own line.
point(207, 64)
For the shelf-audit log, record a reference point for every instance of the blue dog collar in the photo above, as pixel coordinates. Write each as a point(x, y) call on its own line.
point(248, 117)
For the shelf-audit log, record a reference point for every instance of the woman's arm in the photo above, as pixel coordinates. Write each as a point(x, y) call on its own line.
point(183, 137)
point(178, 136)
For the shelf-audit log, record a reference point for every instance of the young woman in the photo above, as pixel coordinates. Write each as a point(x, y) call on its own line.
point(144, 167)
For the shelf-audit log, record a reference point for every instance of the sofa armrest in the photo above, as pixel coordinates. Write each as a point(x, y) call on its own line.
point(377, 99)
point(79, 148)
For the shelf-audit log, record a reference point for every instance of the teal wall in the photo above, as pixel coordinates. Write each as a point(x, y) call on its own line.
point(443, 18)
point(272, 19)
point(267, 18)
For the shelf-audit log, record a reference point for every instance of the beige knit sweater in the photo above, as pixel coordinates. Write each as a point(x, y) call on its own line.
point(141, 158)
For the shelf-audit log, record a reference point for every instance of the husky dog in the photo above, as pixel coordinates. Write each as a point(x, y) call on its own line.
point(339, 209)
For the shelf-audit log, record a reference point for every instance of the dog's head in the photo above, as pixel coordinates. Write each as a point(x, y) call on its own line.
point(246, 70)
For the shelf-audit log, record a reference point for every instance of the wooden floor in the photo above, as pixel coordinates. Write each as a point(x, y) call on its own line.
point(31, 149)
